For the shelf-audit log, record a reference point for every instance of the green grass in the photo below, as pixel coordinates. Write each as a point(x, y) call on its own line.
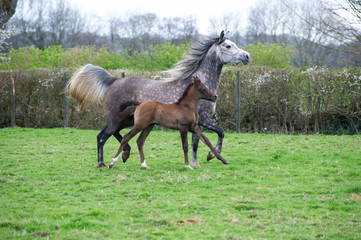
point(275, 187)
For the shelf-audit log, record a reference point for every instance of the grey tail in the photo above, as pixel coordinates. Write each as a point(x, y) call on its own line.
point(89, 84)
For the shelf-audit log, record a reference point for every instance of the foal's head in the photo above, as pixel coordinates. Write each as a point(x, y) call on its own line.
point(197, 90)
point(202, 90)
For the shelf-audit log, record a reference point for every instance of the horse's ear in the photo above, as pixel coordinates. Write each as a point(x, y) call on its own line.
point(221, 37)
point(196, 80)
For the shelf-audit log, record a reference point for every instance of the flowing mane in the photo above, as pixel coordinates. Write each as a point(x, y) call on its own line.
point(185, 92)
point(193, 58)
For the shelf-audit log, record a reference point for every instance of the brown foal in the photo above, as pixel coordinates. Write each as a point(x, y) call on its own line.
point(182, 115)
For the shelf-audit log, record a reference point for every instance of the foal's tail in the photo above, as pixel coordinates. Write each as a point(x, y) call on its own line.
point(89, 84)
point(125, 105)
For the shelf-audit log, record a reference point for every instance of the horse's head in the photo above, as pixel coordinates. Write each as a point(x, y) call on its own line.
point(228, 52)
point(204, 92)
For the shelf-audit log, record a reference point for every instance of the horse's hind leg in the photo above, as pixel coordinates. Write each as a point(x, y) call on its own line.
point(206, 141)
point(140, 142)
point(101, 139)
point(127, 148)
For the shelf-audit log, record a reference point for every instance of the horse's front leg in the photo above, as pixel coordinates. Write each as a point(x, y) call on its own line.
point(195, 141)
point(210, 124)
point(206, 141)
point(183, 133)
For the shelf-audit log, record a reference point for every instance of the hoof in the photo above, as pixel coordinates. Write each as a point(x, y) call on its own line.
point(189, 166)
point(125, 156)
point(196, 165)
point(102, 165)
point(225, 162)
point(144, 165)
point(210, 156)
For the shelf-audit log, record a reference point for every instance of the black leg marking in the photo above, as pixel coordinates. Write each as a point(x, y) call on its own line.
point(210, 124)
point(102, 137)
point(195, 141)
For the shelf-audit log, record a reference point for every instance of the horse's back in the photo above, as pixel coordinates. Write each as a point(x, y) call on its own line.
point(141, 90)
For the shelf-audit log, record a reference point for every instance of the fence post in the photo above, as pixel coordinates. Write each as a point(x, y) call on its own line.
point(12, 102)
point(238, 104)
point(66, 117)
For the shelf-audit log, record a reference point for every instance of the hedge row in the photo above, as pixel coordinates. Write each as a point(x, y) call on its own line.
point(272, 100)
point(293, 100)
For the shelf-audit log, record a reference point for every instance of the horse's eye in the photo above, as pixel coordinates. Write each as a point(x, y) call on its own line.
point(228, 46)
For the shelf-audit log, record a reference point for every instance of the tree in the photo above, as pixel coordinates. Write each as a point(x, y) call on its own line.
point(229, 23)
point(338, 23)
point(268, 23)
point(7, 10)
point(301, 24)
point(348, 18)
point(41, 23)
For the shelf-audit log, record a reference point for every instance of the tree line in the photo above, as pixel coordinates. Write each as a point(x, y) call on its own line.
point(323, 33)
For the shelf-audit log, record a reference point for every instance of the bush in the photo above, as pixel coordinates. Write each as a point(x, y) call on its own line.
point(272, 100)
point(159, 57)
point(270, 55)
point(156, 58)
point(292, 100)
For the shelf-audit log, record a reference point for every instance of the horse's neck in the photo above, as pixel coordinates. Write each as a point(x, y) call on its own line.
point(190, 101)
point(210, 71)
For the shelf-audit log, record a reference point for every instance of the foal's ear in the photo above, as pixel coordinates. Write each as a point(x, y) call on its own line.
point(196, 80)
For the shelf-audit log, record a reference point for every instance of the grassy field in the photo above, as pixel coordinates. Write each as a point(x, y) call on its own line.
point(275, 187)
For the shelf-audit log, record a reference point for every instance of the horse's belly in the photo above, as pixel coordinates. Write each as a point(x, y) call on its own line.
point(168, 119)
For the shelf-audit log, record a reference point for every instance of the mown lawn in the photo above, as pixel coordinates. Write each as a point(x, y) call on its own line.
point(275, 187)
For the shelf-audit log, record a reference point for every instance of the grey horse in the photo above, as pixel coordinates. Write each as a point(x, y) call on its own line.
point(205, 59)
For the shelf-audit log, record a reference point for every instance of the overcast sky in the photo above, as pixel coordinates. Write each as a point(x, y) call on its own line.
point(203, 11)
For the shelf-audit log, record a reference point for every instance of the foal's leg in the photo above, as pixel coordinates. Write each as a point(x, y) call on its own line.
point(125, 140)
point(183, 133)
point(206, 141)
point(140, 142)
point(127, 148)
